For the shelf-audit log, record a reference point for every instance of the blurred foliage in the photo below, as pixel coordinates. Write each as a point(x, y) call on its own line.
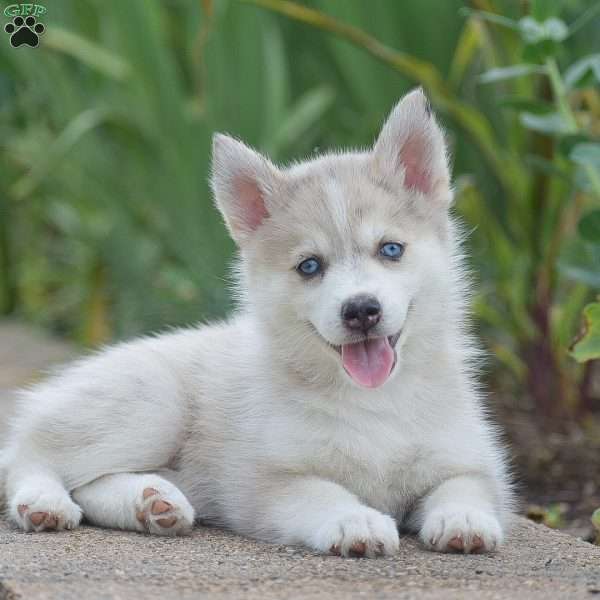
point(106, 222)
point(596, 524)
point(552, 516)
point(587, 345)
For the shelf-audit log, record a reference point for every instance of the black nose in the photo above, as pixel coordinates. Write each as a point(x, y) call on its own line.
point(361, 312)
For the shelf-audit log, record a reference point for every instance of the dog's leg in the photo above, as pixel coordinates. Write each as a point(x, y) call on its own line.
point(459, 516)
point(325, 516)
point(136, 502)
point(37, 500)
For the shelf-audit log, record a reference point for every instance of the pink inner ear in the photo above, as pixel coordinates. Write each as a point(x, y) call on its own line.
point(252, 211)
point(414, 158)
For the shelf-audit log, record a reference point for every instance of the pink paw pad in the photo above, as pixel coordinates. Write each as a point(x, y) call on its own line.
point(357, 550)
point(156, 507)
point(41, 521)
point(457, 544)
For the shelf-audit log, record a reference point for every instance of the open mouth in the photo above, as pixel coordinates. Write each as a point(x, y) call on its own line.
point(370, 361)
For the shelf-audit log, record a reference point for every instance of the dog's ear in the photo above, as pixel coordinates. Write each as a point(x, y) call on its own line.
point(411, 145)
point(242, 181)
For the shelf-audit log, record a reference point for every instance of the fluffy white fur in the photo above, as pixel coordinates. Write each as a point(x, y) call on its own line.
point(253, 424)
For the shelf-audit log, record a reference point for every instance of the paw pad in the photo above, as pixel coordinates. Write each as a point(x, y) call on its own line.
point(361, 533)
point(160, 506)
point(167, 522)
point(457, 544)
point(157, 515)
point(39, 520)
point(149, 492)
point(455, 528)
point(357, 549)
point(24, 31)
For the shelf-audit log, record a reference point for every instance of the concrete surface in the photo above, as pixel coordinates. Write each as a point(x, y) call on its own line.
point(98, 564)
point(25, 352)
point(90, 563)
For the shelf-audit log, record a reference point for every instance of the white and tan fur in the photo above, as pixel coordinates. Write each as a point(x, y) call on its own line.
point(252, 423)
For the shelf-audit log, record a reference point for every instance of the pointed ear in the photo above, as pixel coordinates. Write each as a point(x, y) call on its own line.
point(242, 181)
point(411, 145)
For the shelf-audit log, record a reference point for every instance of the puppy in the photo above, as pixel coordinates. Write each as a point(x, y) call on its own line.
point(338, 402)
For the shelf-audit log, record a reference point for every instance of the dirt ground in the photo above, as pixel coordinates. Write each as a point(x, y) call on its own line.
point(558, 472)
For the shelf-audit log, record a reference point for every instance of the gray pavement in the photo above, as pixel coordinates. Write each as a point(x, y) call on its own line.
point(95, 564)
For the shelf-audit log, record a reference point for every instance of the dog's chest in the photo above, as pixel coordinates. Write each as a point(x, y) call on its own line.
point(374, 458)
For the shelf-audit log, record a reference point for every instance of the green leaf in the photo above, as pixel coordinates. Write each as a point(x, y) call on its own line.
point(277, 79)
point(582, 181)
point(87, 52)
point(568, 142)
point(556, 29)
point(587, 345)
point(309, 108)
point(596, 519)
point(511, 72)
point(490, 17)
point(589, 227)
point(586, 154)
point(531, 105)
point(468, 48)
point(543, 9)
point(579, 72)
point(78, 128)
point(555, 515)
point(580, 261)
point(534, 32)
point(531, 31)
point(585, 18)
point(551, 123)
point(548, 167)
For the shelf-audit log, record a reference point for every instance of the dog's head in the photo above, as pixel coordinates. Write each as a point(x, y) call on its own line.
point(336, 250)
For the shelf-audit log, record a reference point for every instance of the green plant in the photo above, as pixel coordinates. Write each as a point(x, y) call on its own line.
point(596, 524)
point(570, 124)
point(106, 220)
point(586, 347)
point(552, 515)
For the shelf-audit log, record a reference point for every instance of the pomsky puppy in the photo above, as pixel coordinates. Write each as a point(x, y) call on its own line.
point(338, 403)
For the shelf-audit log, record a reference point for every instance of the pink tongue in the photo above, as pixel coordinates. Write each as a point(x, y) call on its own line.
point(370, 362)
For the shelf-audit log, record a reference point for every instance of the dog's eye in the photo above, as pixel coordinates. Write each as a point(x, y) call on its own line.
point(392, 250)
point(309, 267)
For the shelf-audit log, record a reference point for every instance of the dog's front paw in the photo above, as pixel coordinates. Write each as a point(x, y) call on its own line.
point(164, 512)
point(361, 531)
point(46, 512)
point(460, 528)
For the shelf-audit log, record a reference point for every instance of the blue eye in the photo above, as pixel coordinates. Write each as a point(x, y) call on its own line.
point(391, 250)
point(309, 267)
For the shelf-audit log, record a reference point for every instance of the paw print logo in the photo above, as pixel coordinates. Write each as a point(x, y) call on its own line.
point(24, 31)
